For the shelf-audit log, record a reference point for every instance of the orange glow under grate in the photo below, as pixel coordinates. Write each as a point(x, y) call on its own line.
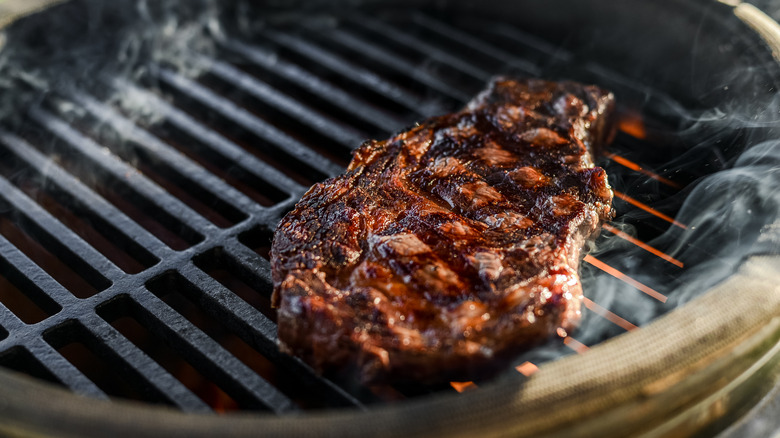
point(643, 245)
point(621, 276)
point(463, 386)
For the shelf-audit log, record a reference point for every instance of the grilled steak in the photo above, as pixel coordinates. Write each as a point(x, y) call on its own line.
point(452, 245)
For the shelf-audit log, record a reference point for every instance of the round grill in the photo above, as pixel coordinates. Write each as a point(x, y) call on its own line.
point(153, 148)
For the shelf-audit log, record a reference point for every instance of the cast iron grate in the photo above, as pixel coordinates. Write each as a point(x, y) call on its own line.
point(134, 256)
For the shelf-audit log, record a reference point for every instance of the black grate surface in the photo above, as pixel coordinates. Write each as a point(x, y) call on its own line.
point(134, 255)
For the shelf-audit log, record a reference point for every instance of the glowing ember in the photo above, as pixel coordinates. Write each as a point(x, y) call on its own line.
point(637, 168)
point(631, 123)
point(612, 317)
point(643, 245)
point(621, 276)
point(526, 368)
point(463, 386)
point(649, 209)
point(575, 345)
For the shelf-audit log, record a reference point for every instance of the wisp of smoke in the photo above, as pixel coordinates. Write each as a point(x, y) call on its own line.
point(72, 48)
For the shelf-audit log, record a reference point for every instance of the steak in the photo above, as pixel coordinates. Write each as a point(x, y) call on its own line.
point(451, 246)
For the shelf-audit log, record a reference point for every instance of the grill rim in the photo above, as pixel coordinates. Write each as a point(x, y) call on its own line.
point(136, 419)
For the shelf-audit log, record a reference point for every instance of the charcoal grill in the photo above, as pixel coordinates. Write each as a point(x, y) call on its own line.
point(134, 241)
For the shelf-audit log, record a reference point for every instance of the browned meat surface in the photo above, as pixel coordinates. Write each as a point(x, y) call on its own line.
point(451, 246)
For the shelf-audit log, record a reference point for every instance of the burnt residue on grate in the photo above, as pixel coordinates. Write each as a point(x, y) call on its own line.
point(137, 206)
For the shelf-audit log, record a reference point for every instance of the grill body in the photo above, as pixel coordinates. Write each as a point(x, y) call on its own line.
point(142, 244)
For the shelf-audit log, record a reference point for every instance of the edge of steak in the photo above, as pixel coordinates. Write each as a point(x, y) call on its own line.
point(451, 246)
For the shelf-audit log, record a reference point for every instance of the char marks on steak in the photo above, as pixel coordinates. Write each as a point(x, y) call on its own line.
point(450, 246)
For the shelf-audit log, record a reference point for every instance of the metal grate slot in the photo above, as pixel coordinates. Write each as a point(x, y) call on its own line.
point(36, 279)
point(121, 184)
point(239, 318)
point(404, 37)
point(133, 239)
point(121, 314)
point(215, 153)
point(21, 361)
point(56, 258)
point(508, 38)
point(19, 295)
point(63, 370)
point(250, 357)
point(661, 110)
point(386, 63)
point(180, 177)
point(100, 364)
point(299, 83)
point(437, 74)
point(73, 213)
point(345, 73)
point(254, 135)
point(336, 150)
point(292, 115)
point(249, 389)
point(245, 284)
point(466, 45)
point(258, 240)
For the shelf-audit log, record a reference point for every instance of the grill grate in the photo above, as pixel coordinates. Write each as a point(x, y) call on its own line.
point(162, 274)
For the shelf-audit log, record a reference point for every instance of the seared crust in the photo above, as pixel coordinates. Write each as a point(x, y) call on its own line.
point(450, 246)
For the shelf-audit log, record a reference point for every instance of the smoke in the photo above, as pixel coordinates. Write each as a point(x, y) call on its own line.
point(71, 49)
point(730, 215)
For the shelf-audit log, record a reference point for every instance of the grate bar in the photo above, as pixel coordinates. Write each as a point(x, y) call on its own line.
point(142, 366)
point(323, 385)
point(348, 69)
point(259, 266)
point(639, 169)
point(469, 40)
point(391, 60)
point(63, 370)
point(661, 105)
point(644, 246)
point(255, 125)
point(191, 170)
point(11, 322)
point(217, 143)
point(212, 359)
point(91, 200)
point(87, 257)
point(543, 47)
point(242, 318)
point(37, 276)
point(338, 131)
point(234, 312)
point(317, 86)
point(403, 37)
point(608, 315)
point(122, 171)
